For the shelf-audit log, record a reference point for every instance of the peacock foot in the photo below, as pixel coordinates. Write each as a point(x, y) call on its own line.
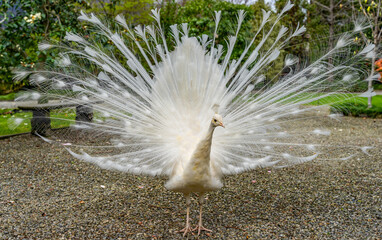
point(201, 228)
point(186, 230)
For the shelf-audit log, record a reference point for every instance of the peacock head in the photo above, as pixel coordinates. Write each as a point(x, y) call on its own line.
point(217, 121)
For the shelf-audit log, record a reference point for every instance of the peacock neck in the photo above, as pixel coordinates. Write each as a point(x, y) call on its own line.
point(210, 133)
point(203, 149)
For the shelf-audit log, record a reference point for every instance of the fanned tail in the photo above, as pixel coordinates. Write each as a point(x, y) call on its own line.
point(156, 102)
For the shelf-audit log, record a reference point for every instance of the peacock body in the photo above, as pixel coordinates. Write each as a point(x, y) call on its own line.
point(164, 109)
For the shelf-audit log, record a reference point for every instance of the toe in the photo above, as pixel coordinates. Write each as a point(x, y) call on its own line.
point(200, 229)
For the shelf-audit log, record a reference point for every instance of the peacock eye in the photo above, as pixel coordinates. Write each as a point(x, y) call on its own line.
point(215, 120)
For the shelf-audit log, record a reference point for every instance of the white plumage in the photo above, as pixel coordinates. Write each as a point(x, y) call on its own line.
point(161, 118)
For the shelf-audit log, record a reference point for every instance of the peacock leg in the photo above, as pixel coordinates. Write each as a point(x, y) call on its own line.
point(200, 226)
point(188, 228)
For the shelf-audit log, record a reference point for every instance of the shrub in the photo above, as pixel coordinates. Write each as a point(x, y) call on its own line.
point(357, 110)
point(27, 23)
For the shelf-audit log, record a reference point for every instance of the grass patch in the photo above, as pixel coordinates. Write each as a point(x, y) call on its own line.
point(338, 98)
point(349, 104)
point(6, 122)
point(8, 97)
point(348, 98)
point(59, 119)
point(352, 105)
point(358, 107)
point(335, 98)
point(62, 117)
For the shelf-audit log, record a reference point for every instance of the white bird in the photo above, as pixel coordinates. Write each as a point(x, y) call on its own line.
point(198, 174)
point(162, 107)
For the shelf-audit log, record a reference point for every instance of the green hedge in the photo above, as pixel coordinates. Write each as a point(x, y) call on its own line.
point(357, 110)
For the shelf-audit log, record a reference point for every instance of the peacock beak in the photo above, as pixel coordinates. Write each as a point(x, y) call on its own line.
point(222, 125)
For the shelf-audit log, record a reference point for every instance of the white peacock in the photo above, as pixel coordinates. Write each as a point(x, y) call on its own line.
point(165, 116)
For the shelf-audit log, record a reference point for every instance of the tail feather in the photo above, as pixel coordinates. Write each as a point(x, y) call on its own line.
point(160, 103)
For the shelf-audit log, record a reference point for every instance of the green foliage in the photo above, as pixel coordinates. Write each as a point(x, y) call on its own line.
point(378, 86)
point(321, 14)
point(5, 118)
point(292, 19)
point(169, 16)
point(200, 17)
point(8, 97)
point(370, 9)
point(135, 12)
point(316, 27)
point(60, 118)
point(358, 107)
point(335, 99)
point(31, 23)
point(325, 23)
point(358, 110)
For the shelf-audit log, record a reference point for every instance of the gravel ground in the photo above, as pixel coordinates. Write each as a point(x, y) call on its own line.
point(47, 194)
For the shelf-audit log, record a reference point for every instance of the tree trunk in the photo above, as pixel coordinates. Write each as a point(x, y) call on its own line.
point(331, 25)
point(331, 35)
point(370, 83)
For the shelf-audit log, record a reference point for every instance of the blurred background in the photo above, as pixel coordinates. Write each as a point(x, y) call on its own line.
point(25, 23)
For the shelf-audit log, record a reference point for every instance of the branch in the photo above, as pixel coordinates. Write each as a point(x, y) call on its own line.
point(364, 13)
point(379, 36)
point(104, 8)
point(377, 16)
point(58, 18)
point(339, 2)
point(5, 17)
point(344, 14)
point(321, 5)
point(353, 11)
point(376, 30)
point(47, 19)
point(363, 37)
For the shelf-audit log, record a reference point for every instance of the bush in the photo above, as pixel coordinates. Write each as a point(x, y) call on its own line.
point(377, 86)
point(27, 23)
point(357, 110)
point(8, 97)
